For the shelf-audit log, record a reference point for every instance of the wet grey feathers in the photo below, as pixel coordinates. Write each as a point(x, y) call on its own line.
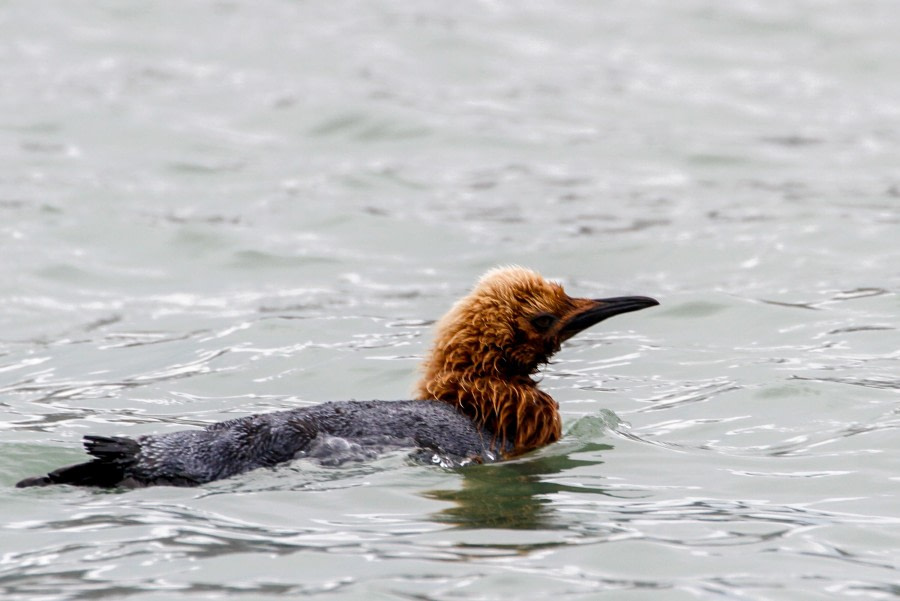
point(330, 432)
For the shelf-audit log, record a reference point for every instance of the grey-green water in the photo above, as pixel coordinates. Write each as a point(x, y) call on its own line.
point(214, 208)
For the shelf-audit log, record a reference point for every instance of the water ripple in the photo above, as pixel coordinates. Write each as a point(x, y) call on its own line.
point(690, 392)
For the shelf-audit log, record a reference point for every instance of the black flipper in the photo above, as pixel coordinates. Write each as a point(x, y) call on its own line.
point(114, 455)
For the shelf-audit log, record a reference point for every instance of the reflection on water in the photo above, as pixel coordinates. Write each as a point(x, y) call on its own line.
point(514, 495)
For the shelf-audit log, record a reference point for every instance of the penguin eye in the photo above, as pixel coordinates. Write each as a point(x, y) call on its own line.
point(543, 322)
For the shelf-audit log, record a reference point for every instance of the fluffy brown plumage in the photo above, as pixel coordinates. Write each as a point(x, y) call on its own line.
point(490, 344)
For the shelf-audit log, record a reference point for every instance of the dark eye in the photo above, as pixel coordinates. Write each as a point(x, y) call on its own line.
point(543, 322)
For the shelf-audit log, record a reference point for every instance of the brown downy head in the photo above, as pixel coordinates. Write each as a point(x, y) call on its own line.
point(493, 340)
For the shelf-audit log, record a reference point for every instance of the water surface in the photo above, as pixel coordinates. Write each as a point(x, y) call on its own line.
point(214, 208)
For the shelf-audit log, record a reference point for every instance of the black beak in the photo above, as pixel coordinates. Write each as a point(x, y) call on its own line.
point(603, 308)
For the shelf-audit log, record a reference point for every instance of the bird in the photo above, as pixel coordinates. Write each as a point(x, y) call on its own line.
point(477, 400)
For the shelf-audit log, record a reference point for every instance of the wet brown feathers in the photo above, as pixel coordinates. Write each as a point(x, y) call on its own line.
point(488, 347)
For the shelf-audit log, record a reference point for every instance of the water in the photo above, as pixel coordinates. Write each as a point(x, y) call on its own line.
point(216, 208)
